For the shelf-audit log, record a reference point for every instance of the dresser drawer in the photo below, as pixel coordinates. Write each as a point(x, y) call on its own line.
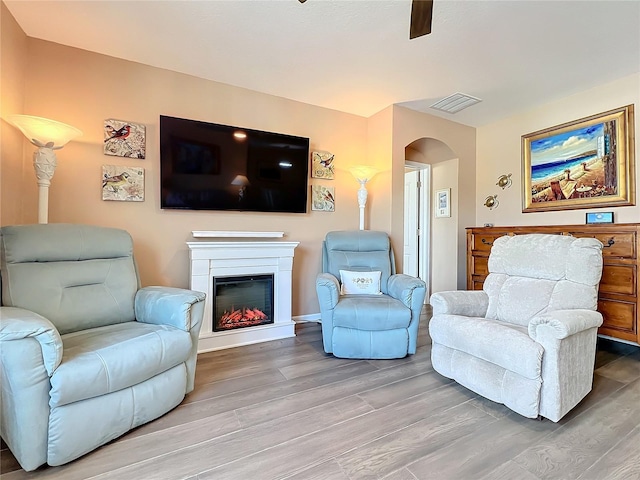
point(619, 316)
point(482, 242)
point(620, 244)
point(480, 266)
point(477, 282)
point(619, 279)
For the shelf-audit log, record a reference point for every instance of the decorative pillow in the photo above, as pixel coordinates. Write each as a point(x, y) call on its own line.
point(360, 283)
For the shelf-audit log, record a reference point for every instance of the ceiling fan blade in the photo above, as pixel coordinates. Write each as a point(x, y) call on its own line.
point(421, 13)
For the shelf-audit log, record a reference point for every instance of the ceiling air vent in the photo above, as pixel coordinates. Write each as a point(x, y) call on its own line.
point(456, 102)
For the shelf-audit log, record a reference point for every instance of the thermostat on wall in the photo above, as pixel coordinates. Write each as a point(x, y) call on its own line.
point(600, 217)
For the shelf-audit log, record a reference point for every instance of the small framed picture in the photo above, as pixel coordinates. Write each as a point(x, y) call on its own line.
point(124, 139)
point(600, 217)
point(323, 198)
point(322, 165)
point(125, 184)
point(443, 203)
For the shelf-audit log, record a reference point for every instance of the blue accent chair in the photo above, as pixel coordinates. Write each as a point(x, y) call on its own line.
point(367, 326)
point(85, 354)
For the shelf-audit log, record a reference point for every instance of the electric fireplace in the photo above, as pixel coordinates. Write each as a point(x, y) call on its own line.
point(247, 277)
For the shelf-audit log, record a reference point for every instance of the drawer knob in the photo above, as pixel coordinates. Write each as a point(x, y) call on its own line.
point(484, 240)
point(610, 242)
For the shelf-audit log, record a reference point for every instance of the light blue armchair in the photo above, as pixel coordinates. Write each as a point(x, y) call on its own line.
point(85, 355)
point(371, 325)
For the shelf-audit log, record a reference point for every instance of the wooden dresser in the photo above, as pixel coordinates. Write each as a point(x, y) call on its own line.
point(619, 287)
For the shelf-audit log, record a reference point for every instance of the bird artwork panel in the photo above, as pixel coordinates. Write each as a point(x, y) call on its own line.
point(125, 184)
point(323, 198)
point(322, 165)
point(124, 139)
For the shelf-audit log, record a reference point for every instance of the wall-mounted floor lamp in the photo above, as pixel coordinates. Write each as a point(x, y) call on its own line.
point(48, 136)
point(363, 174)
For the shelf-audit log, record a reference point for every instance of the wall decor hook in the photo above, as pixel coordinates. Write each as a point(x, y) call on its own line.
point(491, 202)
point(504, 181)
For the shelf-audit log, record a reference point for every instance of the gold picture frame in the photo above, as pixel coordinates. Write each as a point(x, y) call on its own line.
point(587, 163)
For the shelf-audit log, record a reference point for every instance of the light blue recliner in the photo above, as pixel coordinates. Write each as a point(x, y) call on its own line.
point(85, 355)
point(372, 326)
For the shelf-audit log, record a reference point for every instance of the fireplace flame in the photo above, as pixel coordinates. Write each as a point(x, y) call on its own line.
point(242, 317)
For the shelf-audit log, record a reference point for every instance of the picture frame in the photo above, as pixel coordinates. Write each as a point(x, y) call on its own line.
point(322, 165)
point(124, 139)
point(323, 198)
point(125, 184)
point(586, 163)
point(443, 203)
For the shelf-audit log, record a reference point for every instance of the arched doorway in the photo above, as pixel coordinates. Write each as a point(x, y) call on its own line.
point(431, 241)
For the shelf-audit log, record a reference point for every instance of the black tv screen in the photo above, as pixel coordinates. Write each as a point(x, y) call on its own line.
point(206, 166)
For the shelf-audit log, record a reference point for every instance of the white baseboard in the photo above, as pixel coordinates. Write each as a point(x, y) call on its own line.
point(311, 317)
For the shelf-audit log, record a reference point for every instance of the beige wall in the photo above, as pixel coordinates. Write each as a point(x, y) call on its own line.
point(444, 240)
point(499, 153)
point(13, 55)
point(83, 89)
point(379, 142)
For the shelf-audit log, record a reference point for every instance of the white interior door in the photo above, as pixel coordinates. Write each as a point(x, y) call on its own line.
point(417, 226)
point(411, 225)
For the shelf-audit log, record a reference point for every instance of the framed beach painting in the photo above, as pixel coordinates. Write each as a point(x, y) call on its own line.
point(587, 163)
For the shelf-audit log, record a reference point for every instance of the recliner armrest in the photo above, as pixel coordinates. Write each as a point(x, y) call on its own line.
point(468, 303)
point(18, 324)
point(328, 290)
point(563, 323)
point(402, 287)
point(166, 306)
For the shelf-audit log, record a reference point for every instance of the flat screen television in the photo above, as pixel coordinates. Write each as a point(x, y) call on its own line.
point(206, 166)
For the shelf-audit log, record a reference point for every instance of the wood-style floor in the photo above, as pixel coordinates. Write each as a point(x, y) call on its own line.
point(285, 410)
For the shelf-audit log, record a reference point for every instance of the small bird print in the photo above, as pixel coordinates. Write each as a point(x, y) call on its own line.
point(326, 162)
point(116, 181)
point(328, 197)
point(121, 133)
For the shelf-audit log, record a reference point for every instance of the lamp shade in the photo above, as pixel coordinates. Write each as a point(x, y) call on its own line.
point(363, 173)
point(241, 181)
point(42, 131)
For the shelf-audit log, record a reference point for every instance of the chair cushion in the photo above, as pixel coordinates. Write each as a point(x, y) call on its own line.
point(85, 275)
point(506, 345)
point(359, 251)
point(517, 299)
point(551, 257)
point(371, 312)
point(106, 359)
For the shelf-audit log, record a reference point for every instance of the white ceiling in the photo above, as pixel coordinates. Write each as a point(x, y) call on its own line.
point(355, 55)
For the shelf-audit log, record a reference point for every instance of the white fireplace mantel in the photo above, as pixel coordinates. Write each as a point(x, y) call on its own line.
point(239, 255)
point(234, 234)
